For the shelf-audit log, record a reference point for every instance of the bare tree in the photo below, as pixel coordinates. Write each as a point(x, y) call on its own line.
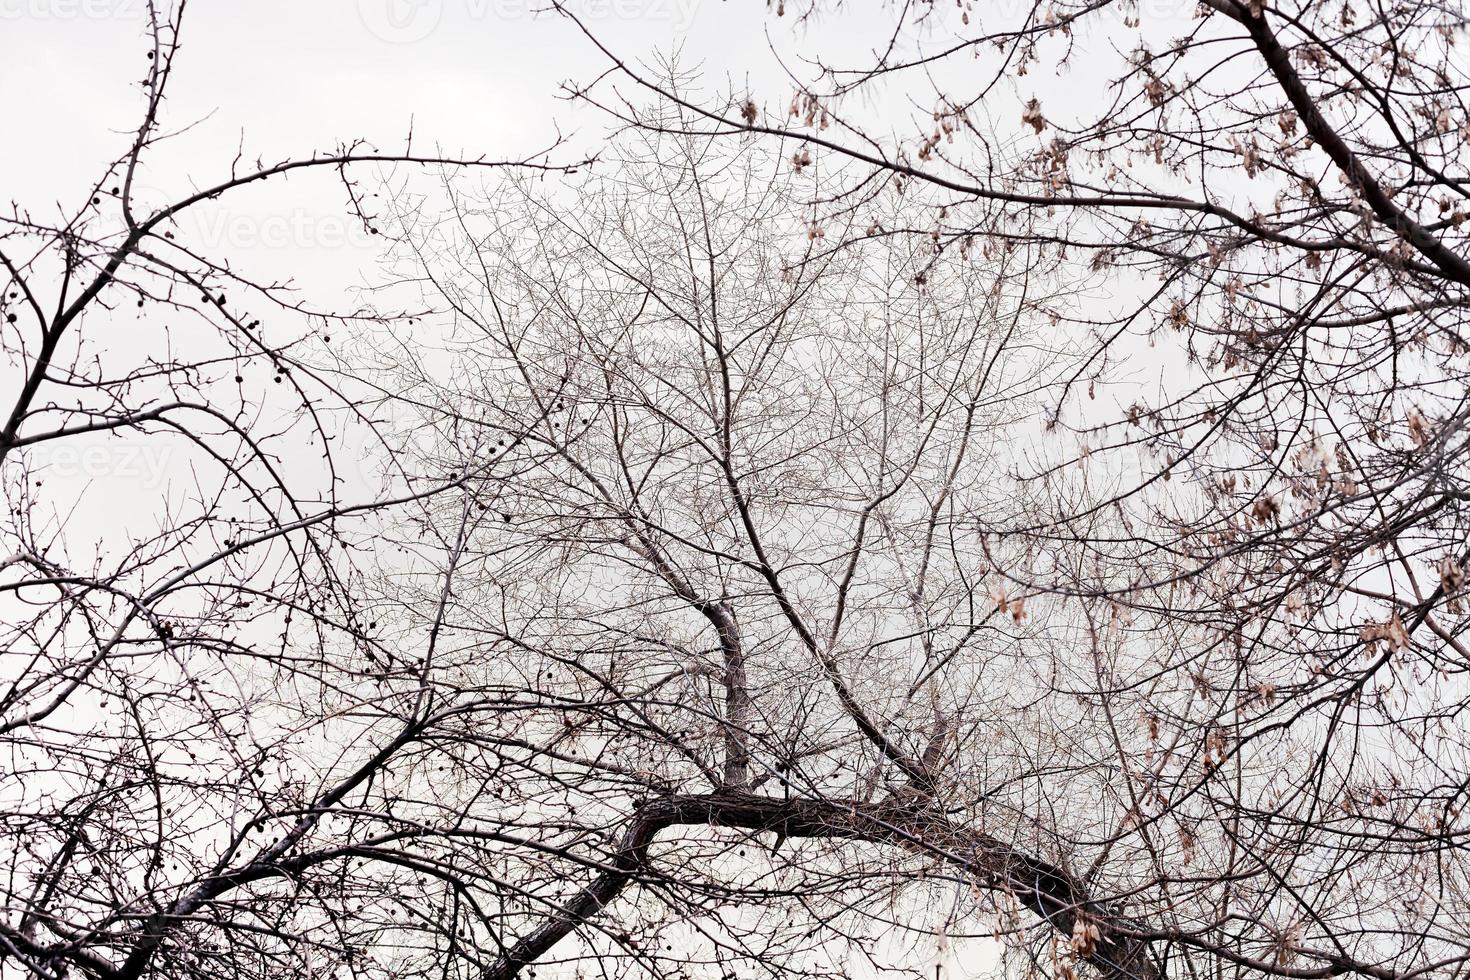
point(763, 685)
point(1266, 542)
point(189, 725)
point(771, 563)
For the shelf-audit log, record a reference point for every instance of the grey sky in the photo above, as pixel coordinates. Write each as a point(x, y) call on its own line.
point(282, 78)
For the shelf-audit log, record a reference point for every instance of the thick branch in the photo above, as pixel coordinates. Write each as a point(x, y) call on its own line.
point(1046, 890)
point(1278, 60)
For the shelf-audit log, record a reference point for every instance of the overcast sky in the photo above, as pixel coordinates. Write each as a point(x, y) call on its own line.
point(278, 79)
point(286, 77)
point(282, 78)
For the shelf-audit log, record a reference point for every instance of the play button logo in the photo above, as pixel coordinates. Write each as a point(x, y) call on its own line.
point(401, 21)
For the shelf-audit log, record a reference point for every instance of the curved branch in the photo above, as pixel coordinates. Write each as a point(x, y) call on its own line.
point(1278, 60)
point(1049, 892)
